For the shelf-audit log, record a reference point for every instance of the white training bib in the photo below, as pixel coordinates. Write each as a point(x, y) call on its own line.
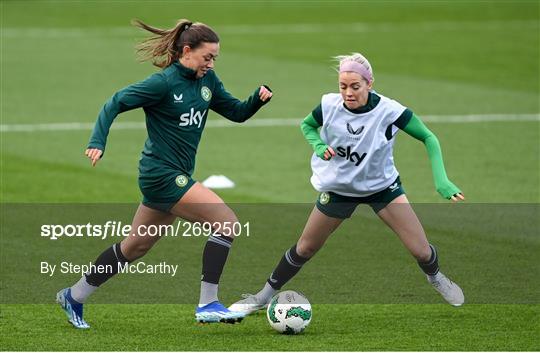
point(364, 163)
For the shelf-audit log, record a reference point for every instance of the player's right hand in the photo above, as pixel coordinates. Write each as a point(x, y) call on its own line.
point(329, 153)
point(324, 152)
point(94, 154)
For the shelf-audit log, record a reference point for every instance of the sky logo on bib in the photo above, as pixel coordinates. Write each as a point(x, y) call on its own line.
point(352, 131)
point(192, 118)
point(206, 94)
point(353, 157)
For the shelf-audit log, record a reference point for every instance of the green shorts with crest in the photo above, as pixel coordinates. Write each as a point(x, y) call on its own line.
point(339, 206)
point(164, 191)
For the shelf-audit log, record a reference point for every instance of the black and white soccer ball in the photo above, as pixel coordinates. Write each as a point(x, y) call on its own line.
point(289, 312)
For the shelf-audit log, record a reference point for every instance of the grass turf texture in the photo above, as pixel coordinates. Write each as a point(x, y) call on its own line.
point(334, 327)
point(438, 58)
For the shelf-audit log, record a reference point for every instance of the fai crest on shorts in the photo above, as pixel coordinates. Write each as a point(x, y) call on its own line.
point(324, 198)
point(181, 180)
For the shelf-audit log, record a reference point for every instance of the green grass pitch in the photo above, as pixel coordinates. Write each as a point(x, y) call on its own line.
point(60, 61)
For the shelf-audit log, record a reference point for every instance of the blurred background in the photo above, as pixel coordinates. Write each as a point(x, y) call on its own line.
point(470, 69)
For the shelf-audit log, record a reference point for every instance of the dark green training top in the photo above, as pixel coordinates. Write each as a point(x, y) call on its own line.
point(176, 106)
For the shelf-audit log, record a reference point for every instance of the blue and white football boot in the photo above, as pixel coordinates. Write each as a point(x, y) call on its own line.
point(72, 308)
point(216, 312)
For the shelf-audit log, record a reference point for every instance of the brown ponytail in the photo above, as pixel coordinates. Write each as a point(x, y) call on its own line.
point(166, 46)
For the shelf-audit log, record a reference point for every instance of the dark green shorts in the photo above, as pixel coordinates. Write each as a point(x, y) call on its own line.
point(164, 191)
point(339, 206)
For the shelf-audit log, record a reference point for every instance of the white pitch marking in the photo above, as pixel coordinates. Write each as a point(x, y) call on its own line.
point(262, 122)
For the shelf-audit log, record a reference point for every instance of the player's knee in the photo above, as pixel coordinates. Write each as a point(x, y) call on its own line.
point(134, 251)
point(227, 225)
point(422, 253)
point(306, 250)
point(230, 216)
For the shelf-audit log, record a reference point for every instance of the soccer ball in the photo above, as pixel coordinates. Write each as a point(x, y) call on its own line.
point(289, 312)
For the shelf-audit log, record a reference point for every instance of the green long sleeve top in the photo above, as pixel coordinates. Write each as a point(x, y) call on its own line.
point(176, 104)
point(413, 127)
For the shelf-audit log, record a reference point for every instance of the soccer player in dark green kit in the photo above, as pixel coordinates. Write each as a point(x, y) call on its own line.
point(176, 101)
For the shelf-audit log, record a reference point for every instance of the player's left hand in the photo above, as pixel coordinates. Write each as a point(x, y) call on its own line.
point(458, 197)
point(449, 191)
point(264, 94)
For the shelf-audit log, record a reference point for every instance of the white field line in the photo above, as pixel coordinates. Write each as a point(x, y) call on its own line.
point(269, 122)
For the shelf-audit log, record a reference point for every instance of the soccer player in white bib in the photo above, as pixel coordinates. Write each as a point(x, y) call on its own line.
point(353, 164)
